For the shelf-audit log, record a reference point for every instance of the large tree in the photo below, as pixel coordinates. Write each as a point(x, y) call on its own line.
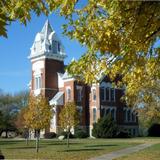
point(120, 37)
point(38, 115)
point(68, 118)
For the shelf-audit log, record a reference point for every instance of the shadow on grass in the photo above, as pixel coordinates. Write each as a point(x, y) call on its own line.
point(58, 143)
point(102, 145)
point(24, 147)
point(8, 142)
point(79, 150)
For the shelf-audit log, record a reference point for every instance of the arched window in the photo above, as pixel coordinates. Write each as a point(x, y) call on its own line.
point(102, 93)
point(38, 82)
point(68, 91)
point(94, 94)
point(112, 94)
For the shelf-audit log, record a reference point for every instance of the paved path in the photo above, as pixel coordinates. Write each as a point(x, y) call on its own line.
point(123, 152)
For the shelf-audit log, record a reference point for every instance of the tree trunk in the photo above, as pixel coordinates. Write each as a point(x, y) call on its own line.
point(68, 138)
point(6, 134)
point(37, 140)
point(37, 144)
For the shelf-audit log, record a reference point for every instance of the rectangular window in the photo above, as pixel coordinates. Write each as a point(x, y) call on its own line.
point(112, 94)
point(102, 93)
point(68, 91)
point(79, 95)
point(107, 94)
point(59, 47)
point(94, 94)
point(94, 115)
point(38, 82)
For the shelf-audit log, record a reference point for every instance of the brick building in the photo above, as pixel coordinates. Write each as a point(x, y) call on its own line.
point(49, 78)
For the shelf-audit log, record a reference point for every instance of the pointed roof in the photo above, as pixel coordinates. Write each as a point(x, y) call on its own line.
point(57, 99)
point(47, 29)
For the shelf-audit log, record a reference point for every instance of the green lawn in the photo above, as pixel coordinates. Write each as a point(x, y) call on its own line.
point(54, 149)
point(151, 153)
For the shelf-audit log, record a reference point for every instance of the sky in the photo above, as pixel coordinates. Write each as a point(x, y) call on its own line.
point(15, 67)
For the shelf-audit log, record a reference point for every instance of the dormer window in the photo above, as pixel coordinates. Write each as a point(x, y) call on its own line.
point(59, 47)
point(55, 46)
point(50, 47)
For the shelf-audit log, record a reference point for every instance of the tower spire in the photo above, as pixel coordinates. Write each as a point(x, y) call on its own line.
point(47, 29)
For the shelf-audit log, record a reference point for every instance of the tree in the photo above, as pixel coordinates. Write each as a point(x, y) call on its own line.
point(68, 118)
point(7, 122)
point(105, 128)
point(38, 115)
point(121, 38)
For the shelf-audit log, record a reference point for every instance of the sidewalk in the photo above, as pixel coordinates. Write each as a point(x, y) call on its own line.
point(123, 152)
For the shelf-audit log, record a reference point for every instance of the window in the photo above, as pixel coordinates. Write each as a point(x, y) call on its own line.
point(94, 94)
point(94, 115)
point(38, 82)
point(79, 95)
point(80, 114)
point(68, 91)
point(54, 46)
point(125, 115)
point(107, 111)
point(129, 115)
point(107, 94)
point(112, 94)
point(59, 47)
point(113, 114)
point(102, 94)
point(50, 47)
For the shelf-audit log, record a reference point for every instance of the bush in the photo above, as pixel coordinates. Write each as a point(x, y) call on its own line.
point(105, 128)
point(79, 133)
point(154, 130)
point(123, 134)
point(65, 135)
point(50, 135)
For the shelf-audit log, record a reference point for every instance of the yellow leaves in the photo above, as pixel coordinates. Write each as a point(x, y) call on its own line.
point(68, 116)
point(38, 113)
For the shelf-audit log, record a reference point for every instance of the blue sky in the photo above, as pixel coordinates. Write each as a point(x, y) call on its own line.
point(15, 67)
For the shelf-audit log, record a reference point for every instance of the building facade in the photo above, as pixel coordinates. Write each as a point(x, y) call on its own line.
point(50, 79)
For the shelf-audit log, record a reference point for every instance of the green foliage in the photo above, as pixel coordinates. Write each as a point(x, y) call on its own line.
point(50, 135)
point(105, 128)
point(65, 134)
point(80, 133)
point(154, 130)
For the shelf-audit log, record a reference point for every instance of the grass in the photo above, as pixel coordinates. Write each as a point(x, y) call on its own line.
point(80, 149)
point(151, 153)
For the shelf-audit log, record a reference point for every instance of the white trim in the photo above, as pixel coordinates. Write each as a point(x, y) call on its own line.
point(106, 84)
point(68, 79)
